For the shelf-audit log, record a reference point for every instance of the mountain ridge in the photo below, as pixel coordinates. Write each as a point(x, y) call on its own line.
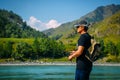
point(66, 29)
point(13, 26)
point(107, 29)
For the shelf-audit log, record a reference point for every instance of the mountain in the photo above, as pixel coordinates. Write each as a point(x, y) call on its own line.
point(107, 29)
point(66, 30)
point(101, 12)
point(12, 25)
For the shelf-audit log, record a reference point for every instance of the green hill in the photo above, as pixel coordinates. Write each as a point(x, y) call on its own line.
point(108, 29)
point(12, 25)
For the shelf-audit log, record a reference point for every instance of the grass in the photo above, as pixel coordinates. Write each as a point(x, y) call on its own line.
point(16, 40)
point(40, 60)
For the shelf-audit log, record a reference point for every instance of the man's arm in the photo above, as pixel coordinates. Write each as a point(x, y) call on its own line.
point(76, 53)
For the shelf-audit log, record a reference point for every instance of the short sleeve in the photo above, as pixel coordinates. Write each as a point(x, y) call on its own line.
point(82, 41)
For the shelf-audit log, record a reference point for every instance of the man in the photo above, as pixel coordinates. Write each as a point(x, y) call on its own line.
point(83, 65)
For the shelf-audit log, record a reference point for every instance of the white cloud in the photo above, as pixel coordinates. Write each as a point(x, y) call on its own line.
point(52, 24)
point(39, 25)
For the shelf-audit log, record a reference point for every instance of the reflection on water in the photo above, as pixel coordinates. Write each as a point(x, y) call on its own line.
point(105, 73)
point(54, 72)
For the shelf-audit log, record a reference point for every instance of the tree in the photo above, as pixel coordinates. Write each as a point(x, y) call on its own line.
point(102, 46)
point(118, 48)
point(8, 49)
point(23, 50)
point(18, 52)
point(1, 51)
point(36, 48)
point(111, 48)
point(12, 30)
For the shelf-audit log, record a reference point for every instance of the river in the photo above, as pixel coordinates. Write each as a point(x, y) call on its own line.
point(55, 72)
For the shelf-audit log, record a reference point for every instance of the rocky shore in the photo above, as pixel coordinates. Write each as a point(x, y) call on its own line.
point(55, 63)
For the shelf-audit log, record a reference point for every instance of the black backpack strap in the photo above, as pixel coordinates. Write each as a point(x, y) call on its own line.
point(88, 56)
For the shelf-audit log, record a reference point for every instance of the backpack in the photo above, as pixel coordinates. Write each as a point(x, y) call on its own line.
point(94, 54)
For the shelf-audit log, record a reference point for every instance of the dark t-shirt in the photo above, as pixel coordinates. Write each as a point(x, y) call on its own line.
point(82, 62)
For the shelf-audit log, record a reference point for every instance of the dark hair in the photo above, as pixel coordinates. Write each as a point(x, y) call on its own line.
point(85, 28)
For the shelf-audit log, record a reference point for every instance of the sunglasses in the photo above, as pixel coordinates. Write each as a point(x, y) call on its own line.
point(77, 26)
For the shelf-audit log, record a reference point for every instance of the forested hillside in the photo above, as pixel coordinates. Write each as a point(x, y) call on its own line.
point(108, 29)
point(12, 25)
point(18, 41)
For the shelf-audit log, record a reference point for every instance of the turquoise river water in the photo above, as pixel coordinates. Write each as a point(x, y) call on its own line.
point(55, 72)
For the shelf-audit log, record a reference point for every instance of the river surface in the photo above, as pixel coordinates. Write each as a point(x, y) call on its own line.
point(55, 72)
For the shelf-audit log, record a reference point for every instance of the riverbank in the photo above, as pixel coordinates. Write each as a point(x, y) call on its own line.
point(55, 63)
point(35, 63)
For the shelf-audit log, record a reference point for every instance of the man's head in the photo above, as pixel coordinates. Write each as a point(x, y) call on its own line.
point(81, 26)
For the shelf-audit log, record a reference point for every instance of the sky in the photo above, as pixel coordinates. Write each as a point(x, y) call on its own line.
point(45, 14)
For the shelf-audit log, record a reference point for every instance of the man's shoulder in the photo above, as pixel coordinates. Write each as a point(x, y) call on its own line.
point(86, 35)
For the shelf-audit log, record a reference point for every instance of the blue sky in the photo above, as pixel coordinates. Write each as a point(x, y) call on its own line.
point(44, 14)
